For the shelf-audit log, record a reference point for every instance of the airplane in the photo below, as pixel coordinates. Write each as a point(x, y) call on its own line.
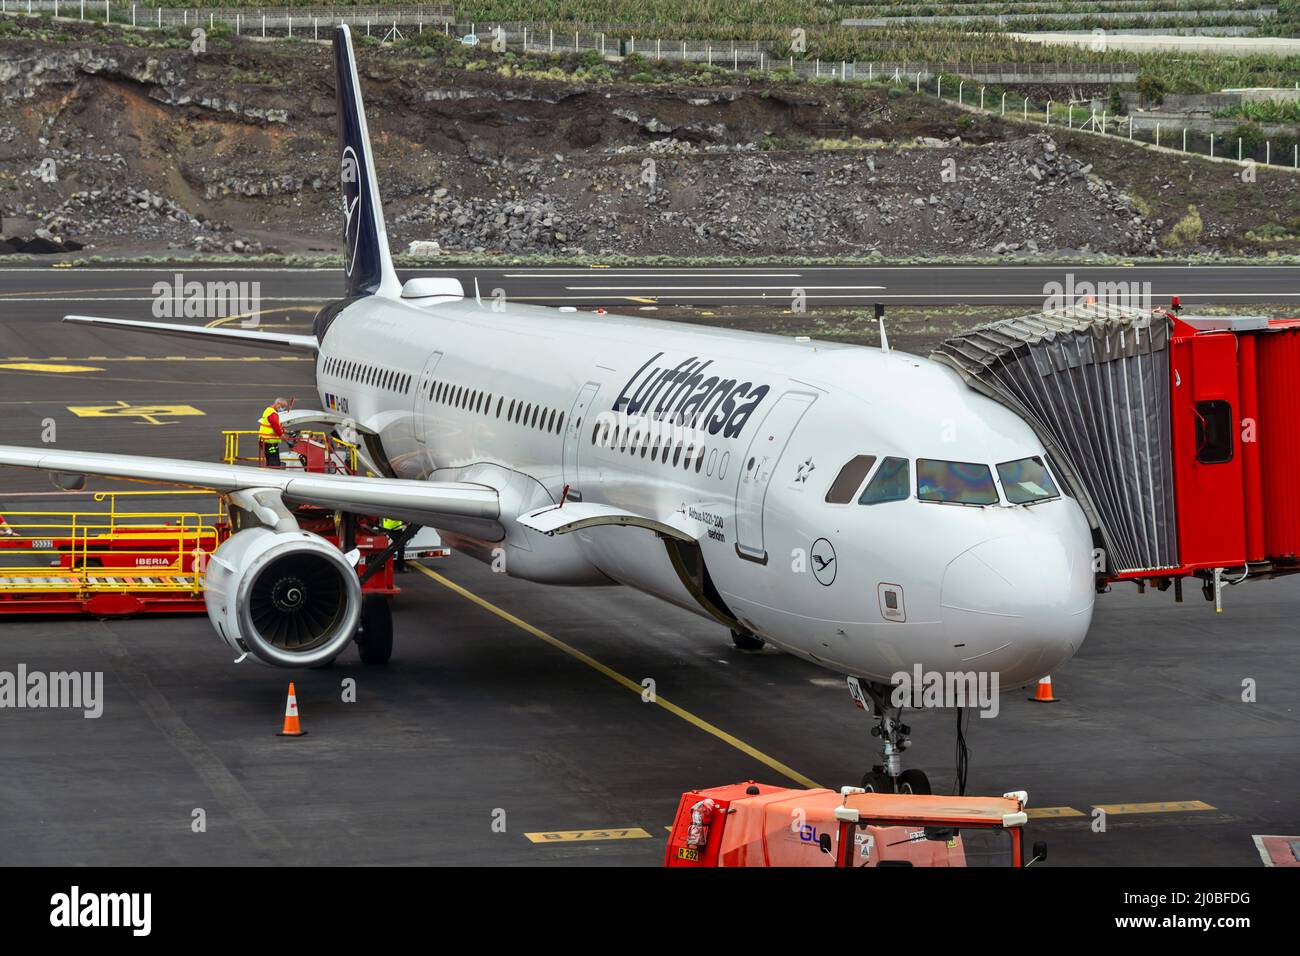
point(860, 508)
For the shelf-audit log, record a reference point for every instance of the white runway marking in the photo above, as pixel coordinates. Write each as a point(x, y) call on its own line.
point(706, 288)
point(601, 274)
point(154, 298)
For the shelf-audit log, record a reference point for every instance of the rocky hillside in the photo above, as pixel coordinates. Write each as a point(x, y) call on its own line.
point(131, 149)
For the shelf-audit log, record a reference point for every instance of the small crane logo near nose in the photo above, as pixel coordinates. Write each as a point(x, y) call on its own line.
point(823, 558)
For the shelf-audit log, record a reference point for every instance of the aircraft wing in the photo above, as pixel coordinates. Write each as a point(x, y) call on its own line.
point(238, 336)
point(422, 502)
point(576, 516)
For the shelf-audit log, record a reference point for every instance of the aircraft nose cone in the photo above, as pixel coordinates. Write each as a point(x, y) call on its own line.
point(1021, 605)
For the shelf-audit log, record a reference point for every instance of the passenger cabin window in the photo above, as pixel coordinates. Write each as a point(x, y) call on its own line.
point(849, 480)
point(1213, 432)
point(892, 482)
point(1025, 480)
point(956, 482)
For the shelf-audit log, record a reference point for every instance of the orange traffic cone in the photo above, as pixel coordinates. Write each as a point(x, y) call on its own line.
point(292, 728)
point(1044, 693)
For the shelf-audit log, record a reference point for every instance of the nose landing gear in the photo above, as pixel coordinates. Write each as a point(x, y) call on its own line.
point(887, 776)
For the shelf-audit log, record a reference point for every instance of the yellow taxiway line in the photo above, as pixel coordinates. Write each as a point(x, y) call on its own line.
point(623, 681)
point(578, 836)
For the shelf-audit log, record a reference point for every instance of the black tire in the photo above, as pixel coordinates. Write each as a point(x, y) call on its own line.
point(913, 781)
point(873, 781)
point(375, 635)
point(746, 641)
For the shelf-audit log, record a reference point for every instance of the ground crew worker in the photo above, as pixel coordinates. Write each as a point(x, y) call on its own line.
point(392, 528)
point(5, 530)
point(270, 432)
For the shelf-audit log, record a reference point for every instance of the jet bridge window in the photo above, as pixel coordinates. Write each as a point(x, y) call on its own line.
point(849, 480)
point(1025, 480)
point(956, 482)
point(892, 482)
point(1213, 432)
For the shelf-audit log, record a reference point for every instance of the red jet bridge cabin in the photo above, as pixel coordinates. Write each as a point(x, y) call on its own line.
point(1178, 436)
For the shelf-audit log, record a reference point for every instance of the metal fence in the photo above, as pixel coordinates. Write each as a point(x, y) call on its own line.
point(970, 87)
point(279, 22)
point(1070, 116)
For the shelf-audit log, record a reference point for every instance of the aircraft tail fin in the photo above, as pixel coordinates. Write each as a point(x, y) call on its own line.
point(367, 260)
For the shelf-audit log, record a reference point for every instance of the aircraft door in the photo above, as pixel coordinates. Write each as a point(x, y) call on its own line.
point(423, 403)
point(757, 468)
point(580, 415)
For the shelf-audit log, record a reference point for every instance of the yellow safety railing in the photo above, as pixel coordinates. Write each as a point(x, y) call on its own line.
point(336, 450)
point(80, 550)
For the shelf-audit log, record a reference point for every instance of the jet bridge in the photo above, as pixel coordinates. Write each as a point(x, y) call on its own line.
point(1178, 436)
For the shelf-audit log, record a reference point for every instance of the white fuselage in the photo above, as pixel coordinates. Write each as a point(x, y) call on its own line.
point(1000, 588)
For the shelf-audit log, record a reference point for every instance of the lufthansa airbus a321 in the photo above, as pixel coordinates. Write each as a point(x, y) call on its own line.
point(859, 508)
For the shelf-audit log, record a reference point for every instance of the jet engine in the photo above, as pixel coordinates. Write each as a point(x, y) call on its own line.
point(289, 598)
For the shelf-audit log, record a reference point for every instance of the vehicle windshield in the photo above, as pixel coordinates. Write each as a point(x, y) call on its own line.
point(894, 845)
point(1026, 480)
point(959, 482)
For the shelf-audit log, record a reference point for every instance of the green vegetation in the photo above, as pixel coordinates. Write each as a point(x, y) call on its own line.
point(962, 47)
point(1276, 231)
point(1264, 111)
point(1186, 231)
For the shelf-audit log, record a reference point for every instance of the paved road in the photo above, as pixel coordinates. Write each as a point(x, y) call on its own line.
point(130, 291)
point(477, 715)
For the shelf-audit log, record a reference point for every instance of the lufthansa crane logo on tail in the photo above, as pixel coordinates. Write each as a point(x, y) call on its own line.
point(350, 173)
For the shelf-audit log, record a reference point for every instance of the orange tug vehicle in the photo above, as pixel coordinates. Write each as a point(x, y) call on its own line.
point(128, 558)
point(753, 824)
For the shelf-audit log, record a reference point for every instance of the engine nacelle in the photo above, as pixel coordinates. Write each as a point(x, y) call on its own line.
point(289, 598)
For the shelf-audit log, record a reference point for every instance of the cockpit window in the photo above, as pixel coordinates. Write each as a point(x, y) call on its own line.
point(850, 478)
point(959, 482)
point(1025, 480)
point(891, 483)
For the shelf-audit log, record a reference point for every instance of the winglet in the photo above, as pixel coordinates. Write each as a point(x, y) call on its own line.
point(367, 261)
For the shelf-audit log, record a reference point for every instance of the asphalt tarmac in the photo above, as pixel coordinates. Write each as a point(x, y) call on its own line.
point(87, 289)
point(493, 738)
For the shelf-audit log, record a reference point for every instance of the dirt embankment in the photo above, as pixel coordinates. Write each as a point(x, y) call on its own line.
point(136, 150)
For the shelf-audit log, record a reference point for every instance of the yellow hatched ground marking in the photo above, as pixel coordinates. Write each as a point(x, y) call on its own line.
point(47, 367)
point(618, 678)
point(1052, 813)
point(577, 836)
point(149, 414)
point(1173, 806)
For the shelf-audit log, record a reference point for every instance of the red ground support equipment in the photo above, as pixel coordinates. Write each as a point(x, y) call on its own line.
point(750, 824)
point(131, 557)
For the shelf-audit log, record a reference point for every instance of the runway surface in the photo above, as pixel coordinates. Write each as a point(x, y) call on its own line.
point(98, 287)
point(503, 702)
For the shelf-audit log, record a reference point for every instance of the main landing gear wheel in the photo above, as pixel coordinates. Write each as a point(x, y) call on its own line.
point(375, 635)
point(746, 641)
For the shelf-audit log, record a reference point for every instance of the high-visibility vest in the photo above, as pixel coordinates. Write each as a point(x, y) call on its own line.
point(265, 432)
point(392, 524)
